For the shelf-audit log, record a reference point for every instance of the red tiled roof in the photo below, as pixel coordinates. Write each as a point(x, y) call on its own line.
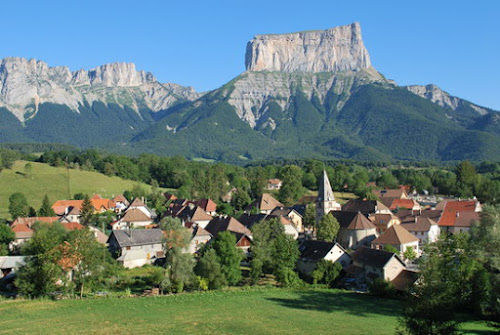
point(403, 203)
point(451, 208)
point(31, 220)
point(72, 226)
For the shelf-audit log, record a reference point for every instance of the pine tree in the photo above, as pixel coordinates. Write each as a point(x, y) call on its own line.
point(87, 212)
point(46, 208)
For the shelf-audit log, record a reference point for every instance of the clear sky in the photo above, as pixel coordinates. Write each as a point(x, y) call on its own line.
point(453, 44)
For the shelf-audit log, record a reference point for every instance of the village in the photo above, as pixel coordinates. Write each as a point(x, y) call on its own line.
point(376, 239)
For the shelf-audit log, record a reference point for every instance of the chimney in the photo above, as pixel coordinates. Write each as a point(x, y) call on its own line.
point(458, 214)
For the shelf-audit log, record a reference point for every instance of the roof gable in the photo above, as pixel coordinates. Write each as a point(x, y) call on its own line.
point(396, 235)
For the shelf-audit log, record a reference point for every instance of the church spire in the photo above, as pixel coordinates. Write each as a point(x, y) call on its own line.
point(326, 200)
point(325, 189)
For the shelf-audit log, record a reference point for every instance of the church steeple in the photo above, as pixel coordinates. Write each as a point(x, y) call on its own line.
point(325, 192)
point(326, 200)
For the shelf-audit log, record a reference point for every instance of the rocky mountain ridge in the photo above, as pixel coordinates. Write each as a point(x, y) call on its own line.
point(25, 84)
point(303, 95)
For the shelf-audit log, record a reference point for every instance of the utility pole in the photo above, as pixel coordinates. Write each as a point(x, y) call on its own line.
point(67, 172)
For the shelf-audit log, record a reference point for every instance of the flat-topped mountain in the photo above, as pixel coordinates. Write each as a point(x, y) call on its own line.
point(331, 50)
point(309, 94)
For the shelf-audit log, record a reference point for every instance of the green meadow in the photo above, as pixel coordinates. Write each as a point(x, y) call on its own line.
point(235, 311)
point(57, 182)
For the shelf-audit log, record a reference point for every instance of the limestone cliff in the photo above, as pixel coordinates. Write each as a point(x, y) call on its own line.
point(438, 96)
point(331, 50)
point(25, 84)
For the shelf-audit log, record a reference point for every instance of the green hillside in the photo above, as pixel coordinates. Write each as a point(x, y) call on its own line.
point(267, 311)
point(45, 179)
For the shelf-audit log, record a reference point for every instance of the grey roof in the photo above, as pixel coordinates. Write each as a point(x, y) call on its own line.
point(10, 262)
point(132, 237)
point(374, 257)
point(315, 250)
point(325, 192)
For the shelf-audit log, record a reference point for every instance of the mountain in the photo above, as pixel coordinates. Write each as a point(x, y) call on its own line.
point(312, 94)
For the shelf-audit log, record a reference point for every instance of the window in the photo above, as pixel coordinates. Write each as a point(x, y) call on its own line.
point(128, 248)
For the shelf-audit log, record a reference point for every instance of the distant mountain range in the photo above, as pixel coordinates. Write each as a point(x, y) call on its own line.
point(310, 94)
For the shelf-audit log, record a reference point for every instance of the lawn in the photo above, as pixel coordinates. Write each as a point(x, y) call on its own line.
point(45, 179)
point(239, 311)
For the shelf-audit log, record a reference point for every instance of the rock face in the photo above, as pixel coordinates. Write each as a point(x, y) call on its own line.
point(336, 49)
point(25, 84)
point(438, 96)
point(252, 92)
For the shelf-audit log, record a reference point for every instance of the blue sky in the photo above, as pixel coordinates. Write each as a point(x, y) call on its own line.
point(453, 44)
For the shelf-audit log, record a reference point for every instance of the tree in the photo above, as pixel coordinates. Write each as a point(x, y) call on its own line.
point(179, 265)
point(447, 283)
point(208, 267)
point(28, 169)
point(39, 275)
point(46, 208)
point(18, 205)
point(326, 272)
point(6, 236)
point(229, 256)
point(240, 200)
point(285, 253)
point(328, 228)
point(410, 254)
point(179, 272)
point(391, 248)
point(310, 216)
point(91, 258)
point(264, 233)
point(87, 211)
point(486, 247)
point(291, 189)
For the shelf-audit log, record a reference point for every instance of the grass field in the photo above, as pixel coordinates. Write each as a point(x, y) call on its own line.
point(254, 311)
point(54, 182)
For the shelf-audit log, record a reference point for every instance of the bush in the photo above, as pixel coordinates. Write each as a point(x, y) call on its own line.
point(382, 288)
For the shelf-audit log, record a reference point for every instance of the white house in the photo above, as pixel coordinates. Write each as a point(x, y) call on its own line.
point(313, 251)
point(425, 229)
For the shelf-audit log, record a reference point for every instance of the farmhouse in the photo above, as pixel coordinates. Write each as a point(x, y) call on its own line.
point(136, 247)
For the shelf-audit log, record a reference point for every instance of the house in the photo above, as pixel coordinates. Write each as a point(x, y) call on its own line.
point(408, 216)
point(136, 247)
point(264, 204)
point(366, 207)
point(325, 203)
point(62, 207)
point(10, 264)
point(425, 229)
point(23, 227)
point(121, 203)
point(397, 204)
point(398, 193)
point(405, 279)
point(313, 251)
point(399, 238)
point(458, 215)
point(189, 213)
point(384, 221)
point(139, 204)
point(228, 223)
point(274, 184)
point(132, 218)
point(199, 236)
point(207, 205)
point(248, 220)
point(292, 214)
point(355, 229)
point(369, 264)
